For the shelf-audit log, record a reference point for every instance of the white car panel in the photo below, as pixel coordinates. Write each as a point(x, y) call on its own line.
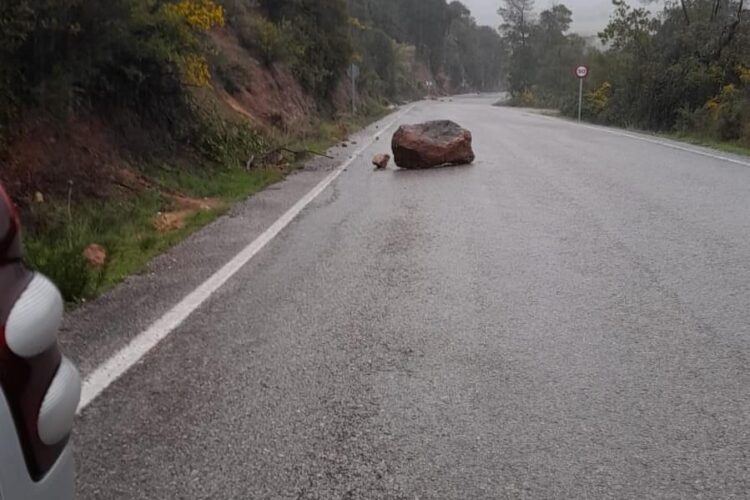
point(15, 482)
point(27, 332)
point(60, 403)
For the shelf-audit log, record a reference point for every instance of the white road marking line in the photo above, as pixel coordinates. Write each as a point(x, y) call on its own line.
point(112, 369)
point(644, 138)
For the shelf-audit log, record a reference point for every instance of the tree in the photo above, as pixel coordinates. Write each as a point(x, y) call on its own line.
point(517, 21)
point(557, 52)
point(517, 17)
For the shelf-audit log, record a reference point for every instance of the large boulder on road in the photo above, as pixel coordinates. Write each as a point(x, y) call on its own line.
point(432, 144)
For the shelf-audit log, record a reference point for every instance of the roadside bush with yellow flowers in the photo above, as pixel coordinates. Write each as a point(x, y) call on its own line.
point(728, 112)
point(194, 17)
point(598, 99)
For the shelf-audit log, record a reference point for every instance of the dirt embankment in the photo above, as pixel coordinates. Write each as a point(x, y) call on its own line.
point(77, 156)
point(85, 156)
point(267, 94)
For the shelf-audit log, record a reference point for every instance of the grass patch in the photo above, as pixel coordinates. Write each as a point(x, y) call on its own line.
point(727, 147)
point(125, 227)
point(229, 185)
point(688, 138)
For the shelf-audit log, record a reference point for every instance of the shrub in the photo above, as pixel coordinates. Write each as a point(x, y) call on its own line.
point(224, 142)
point(725, 112)
point(598, 99)
point(232, 75)
point(270, 41)
point(524, 99)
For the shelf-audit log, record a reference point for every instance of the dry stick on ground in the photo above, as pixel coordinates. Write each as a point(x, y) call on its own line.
point(297, 153)
point(125, 186)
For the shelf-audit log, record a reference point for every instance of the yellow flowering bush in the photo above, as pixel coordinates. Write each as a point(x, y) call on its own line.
point(714, 105)
point(744, 74)
point(356, 24)
point(201, 15)
point(526, 98)
point(195, 70)
point(598, 99)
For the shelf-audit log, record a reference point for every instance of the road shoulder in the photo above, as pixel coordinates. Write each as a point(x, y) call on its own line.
point(94, 332)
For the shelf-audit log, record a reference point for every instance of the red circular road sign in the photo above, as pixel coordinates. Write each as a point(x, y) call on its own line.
point(582, 71)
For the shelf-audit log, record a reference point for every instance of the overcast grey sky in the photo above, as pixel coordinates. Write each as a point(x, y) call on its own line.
point(589, 16)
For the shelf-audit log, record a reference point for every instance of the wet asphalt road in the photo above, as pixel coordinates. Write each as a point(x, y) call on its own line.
point(567, 318)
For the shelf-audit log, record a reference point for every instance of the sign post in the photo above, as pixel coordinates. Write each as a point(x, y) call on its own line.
point(581, 73)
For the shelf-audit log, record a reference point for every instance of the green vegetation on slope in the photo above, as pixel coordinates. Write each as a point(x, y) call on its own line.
point(685, 69)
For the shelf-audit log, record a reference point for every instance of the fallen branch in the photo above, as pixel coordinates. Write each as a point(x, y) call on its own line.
point(299, 153)
point(276, 156)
